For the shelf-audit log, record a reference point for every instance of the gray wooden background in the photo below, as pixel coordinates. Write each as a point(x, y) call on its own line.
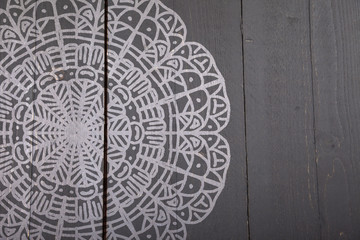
point(292, 72)
point(292, 69)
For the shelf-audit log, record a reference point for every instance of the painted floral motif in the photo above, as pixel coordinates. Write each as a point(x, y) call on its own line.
point(167, 105)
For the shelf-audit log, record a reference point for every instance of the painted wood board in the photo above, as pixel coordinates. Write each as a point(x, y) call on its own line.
point(279, 120)
point(196, 147)
point(336, 57)
point(57, 78)
point(166, 106)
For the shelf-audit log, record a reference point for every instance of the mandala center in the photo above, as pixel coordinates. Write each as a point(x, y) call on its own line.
point(66, 122)
point(76, 133)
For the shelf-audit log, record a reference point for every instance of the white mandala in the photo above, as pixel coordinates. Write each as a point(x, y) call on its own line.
point(167, 105)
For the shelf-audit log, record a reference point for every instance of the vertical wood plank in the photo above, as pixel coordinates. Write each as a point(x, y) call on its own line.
point(336, 58)
point(15, 173)
point(67, 120)
point(280, 139)
point(184, 167)
point(57, 80)
point(216, 24)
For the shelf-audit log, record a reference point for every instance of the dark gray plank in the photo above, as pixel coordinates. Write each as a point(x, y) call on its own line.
point(57, 79)
point(216, 24)
point(336, 58)
point(184, 166)
point(280, 139)
point(15, 94)
point(68, 120)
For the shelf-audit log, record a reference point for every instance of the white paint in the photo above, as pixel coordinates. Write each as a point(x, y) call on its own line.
point(167, 107)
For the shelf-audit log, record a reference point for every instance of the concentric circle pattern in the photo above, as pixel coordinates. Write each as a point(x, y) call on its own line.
point(166, 106)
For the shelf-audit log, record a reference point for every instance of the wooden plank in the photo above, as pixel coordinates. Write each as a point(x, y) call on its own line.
point(336, 58)
point(280, 139)
point(188, 108)
point(58, 75)
point(68, 121)
point(15, 174)
point(216, 24)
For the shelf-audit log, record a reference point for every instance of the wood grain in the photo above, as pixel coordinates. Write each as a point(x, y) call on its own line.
point(280, 139)
point(335, 32)
point(294, 130)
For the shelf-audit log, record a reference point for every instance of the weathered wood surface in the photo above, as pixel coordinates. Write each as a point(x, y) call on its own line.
point(293, 132)
point(335, 30)
point(279, 119)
